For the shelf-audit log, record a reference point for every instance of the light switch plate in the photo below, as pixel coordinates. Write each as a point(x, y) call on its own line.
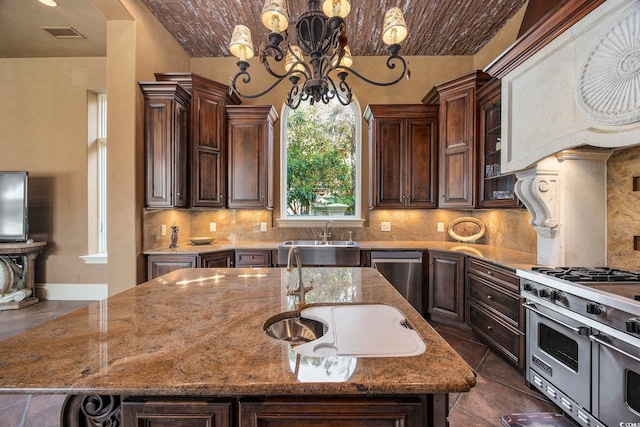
point(440, 227)
point(212, 226)
point(385, 226)
point(263, 226)
point(163, 230)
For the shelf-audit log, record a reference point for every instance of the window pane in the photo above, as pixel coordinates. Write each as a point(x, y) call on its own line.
point(321, 160)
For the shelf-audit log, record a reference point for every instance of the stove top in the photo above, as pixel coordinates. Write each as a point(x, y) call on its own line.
point(586, 275)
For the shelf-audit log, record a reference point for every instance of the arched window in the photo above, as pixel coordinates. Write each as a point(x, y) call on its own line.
point(321, 170)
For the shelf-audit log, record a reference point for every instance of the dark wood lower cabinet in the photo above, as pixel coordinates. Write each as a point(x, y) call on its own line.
point(318, 412)
point(176, 413)
point(217, 260)
point(495, 312)
point(157, 265)
point(446, 286)
point(426, 410)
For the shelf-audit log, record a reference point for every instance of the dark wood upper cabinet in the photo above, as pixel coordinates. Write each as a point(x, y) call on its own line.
point(402, 155)
point(495, 189)
point(250, 155)
point(166, 124)
point(208, 143)
point(458, 139)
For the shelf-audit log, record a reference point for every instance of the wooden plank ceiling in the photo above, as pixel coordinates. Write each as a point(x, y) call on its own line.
point(436, 27)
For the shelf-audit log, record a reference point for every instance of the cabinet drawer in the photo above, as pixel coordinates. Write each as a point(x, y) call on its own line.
point(500, 336)
point(500, 275)
point(253, 259)
point(486, 293)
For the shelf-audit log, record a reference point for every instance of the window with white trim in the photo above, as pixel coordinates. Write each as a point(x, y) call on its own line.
point(97, 178)
point(320, 177)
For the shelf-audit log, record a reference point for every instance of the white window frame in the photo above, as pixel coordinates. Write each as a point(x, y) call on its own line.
point(291, 221)
point(100, 257)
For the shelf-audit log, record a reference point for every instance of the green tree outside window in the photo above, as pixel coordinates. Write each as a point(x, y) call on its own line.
point(321, 159)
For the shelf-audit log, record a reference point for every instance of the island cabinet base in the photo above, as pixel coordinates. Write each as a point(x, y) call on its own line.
point(367, 411)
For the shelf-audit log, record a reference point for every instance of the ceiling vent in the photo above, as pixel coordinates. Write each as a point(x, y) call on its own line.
point(63, 32)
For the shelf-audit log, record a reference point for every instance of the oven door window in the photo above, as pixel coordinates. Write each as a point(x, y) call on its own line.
point(633, 390)
point(559, 346)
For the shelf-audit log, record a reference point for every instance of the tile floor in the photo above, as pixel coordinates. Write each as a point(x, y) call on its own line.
point(499, 390)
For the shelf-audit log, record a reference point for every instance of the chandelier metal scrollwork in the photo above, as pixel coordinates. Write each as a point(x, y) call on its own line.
point(318, 63)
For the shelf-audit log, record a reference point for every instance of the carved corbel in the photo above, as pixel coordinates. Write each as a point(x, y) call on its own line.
point(538, 191)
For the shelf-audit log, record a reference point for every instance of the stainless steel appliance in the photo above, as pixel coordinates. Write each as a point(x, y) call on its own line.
point(403, 269)
point(14, 223)
point(583, 341)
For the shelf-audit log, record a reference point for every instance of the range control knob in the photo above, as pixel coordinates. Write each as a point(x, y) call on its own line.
point(544, 293)
point(551, 294)
point(595, 308)
point(633, 325)
point(529, 287)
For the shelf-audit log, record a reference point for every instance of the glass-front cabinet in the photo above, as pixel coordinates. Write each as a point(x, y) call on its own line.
point(496, 189)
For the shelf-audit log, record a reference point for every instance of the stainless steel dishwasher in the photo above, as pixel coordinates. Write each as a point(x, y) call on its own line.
point(404, 270)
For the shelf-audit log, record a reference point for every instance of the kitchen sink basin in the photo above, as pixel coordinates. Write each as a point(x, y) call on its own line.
point(347, 330)
point(293, 328)
point(342, 253)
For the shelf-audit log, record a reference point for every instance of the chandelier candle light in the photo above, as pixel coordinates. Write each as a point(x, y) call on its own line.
point(319, 55)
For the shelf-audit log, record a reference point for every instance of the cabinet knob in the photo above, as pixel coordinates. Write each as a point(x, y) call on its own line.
point(489, 328)
point(490, 297)
point(490, 273)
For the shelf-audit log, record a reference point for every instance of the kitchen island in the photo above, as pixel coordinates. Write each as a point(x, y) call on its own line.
point(189, 347)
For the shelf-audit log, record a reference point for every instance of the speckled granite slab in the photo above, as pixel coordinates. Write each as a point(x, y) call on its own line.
point(200, 332)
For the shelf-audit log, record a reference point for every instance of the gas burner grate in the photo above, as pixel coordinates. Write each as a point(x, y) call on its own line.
point(589, 274)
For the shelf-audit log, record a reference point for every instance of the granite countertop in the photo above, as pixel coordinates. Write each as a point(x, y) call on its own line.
point(200, 332)
point(506, 257)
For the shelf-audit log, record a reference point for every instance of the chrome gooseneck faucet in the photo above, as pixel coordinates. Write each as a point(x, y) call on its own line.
point(300, 291)
point(326, 233)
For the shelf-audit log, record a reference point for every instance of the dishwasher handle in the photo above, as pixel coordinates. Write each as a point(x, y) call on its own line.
point(394, 256)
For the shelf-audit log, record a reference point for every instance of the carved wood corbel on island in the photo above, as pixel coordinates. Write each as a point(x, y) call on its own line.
point(189, 348)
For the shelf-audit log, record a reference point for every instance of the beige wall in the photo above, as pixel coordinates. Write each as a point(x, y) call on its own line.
point(43, 117)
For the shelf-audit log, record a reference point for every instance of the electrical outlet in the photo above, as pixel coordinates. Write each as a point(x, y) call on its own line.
point(212, 226)
point(163, 230)
point(385, 226)
point(441, 227)
point(263, 226)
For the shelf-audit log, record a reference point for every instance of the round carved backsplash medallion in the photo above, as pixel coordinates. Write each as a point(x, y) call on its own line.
point(608, 83)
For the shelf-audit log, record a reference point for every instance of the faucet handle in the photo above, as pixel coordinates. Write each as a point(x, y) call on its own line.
point(310, 287)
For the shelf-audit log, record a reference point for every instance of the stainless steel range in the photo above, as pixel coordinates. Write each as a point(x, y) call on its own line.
point(583, 341)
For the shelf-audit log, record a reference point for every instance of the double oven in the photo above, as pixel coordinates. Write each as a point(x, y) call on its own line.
point(583, 341)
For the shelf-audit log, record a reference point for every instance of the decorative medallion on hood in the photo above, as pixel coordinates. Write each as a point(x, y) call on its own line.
point(608, 83)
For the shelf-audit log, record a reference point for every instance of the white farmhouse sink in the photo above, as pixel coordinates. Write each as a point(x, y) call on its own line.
point(368, 330)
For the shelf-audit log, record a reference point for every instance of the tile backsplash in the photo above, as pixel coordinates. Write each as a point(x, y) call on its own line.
point(508, 228)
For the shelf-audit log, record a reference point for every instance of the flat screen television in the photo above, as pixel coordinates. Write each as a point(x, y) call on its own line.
point(14, 220)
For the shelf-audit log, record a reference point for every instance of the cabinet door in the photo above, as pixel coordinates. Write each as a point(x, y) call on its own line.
point(496, 190)
point(458, 140)
point(157, 265)
point(456, 153)
point(446, 285)
point(166, 144)
point(208, 143)
point(421, 162)
point(250, 144)
point(402, 162)
point(318, 412)
point(389, 163)
point(217, 260)
point(176, 413)
point(181, 136)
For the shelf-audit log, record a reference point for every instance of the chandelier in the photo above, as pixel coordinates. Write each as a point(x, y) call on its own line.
point(318, 62)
